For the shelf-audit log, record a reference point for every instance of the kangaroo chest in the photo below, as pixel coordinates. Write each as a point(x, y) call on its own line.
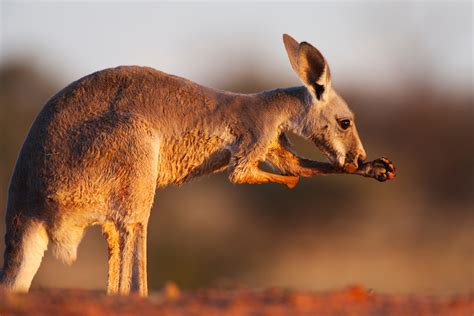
point(191, 155)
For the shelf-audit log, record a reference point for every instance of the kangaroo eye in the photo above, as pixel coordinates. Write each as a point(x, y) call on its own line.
point(344, 124)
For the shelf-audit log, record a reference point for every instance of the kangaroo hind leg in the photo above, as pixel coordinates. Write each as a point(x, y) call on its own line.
point(113, 244)
point(127, 249)
point(139, 272)
point(127, 260)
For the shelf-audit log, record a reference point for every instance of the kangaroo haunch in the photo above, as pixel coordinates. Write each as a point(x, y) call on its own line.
point(100, 147)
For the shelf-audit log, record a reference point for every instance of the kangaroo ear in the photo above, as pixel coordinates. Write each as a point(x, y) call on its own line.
point(309, 64)
point(291, 46)
point(313, 69)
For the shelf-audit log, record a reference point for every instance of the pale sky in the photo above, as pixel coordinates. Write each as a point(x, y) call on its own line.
point(369, 45)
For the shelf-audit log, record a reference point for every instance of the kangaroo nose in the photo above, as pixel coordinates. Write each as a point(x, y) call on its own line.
point(362, 157)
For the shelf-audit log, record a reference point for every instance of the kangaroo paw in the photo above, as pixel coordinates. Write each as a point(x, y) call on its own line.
point(380, 169)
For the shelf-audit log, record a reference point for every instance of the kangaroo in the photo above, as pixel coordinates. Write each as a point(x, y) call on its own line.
point(100, 148)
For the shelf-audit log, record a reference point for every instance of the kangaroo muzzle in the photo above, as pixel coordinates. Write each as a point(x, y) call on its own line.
point(353, 162)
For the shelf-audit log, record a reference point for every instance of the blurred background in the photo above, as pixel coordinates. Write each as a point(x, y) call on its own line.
point(405, 68)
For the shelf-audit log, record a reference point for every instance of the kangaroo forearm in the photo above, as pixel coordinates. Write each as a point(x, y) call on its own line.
point(380, 169)
point(303, 167)
point(283, 157)
point(309, 167)
point(290, 164)
point(253, 175)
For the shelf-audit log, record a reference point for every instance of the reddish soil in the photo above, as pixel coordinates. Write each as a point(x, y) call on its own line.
point(276, 302)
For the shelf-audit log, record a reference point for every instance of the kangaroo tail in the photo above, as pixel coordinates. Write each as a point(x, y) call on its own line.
point(26, 241)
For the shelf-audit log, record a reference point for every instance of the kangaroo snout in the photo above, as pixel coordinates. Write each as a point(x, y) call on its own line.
point(362, 156)
point(351, 167)
point(353, 161)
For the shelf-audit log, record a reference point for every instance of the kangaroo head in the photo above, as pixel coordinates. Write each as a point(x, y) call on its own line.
point(326, 118)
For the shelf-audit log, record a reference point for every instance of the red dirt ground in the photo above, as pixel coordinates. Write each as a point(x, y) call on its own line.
point(276, 302)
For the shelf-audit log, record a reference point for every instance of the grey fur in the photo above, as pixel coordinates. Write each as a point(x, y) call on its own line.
point(100, 147)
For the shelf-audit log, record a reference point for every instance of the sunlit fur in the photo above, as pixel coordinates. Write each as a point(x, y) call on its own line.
point(100, 147)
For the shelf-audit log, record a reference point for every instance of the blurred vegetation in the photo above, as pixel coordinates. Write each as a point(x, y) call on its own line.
point(413, 234)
